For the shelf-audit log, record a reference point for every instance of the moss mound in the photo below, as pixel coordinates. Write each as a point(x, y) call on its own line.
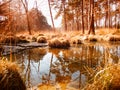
point(22, 39)
point(34, 39)
point(41, 39)
point(10, 78)
point(59, 43)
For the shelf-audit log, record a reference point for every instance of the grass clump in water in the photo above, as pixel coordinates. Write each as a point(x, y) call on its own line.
point(10, 78)
point(59, 43)
point(41, 39)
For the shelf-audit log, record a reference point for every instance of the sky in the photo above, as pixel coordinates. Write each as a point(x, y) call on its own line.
point(43, 6)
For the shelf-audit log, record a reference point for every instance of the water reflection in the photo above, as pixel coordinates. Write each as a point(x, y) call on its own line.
point(71, 67)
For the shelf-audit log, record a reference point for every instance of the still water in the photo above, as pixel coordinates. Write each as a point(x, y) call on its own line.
point(74, 66)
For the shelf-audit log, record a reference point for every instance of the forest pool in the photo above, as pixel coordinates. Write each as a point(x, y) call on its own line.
point(73, 67)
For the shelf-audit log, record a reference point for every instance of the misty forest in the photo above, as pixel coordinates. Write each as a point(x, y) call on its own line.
point(59, 44)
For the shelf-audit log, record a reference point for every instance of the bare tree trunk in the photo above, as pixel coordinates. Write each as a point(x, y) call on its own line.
point(115, 15)
point(73, 21)
point(51, 15)
point(65, 23)
point(25, 4)
point(108, 14)
point(77, 19)
point(99, 19)
point(106, 17)
point(28, 22)
point(118, 24)
point(92, 28)
point(96, 24)
point(89, 18)
point(82, 19)
point(115, 20)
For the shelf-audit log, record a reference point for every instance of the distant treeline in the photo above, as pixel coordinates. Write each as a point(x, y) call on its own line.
point(15, 16)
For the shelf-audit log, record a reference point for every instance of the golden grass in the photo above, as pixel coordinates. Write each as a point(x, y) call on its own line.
point(75, 37)
point(22, 39)
point(14, 39)
point(106, 79)
point(114, 38)
point(46, 87)
point(111, 38)
point(58, 86)
point(9, 39)
point(31, 38)
point(37, 53)
point(59, 43)
point(104, 31)
point(76, 40)
point(92, 38)
point(10, 78)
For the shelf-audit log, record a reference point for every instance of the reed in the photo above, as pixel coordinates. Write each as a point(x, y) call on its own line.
point(106, 79)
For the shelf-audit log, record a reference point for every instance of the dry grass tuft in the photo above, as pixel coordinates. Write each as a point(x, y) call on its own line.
point(92, 38)
point(34, 39)
point(41, 39)
point(22, 39)
point(9, 39)
point(76, 40)
point(10, 78)
point(59, 43)
point(106, 79)
point(114, 38)
point(111, 38)
point(14, 39)
point(31, 38)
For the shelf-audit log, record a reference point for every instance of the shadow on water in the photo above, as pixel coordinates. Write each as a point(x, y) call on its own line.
point(73, 67)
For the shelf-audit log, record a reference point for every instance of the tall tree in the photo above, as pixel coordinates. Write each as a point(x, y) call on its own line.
point(108, 2)
point(75, 12)
point(25, 4)
point(51, 15)
point(82, 18)
point(38, 20)
point(92, 28)
point(64, 10)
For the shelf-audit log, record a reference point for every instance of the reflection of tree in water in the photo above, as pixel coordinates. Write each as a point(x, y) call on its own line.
point(33, 55)
point(55, 51)
point(111, 55)
point(84, 59)
point(26, 60)
point(37, 54)
point(115, 55)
